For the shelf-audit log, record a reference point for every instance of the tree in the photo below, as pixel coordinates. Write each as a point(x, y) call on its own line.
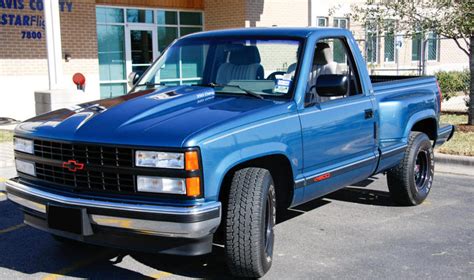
point(453, 19)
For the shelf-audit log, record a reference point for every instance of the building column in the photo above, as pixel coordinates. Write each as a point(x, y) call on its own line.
point(53, 43)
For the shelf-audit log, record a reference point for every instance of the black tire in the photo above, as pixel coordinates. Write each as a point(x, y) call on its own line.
point(250, 218)
point(410, 182)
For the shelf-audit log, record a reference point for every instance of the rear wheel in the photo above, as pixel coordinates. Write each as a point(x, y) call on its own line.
point(250, 218)
point(410, 182)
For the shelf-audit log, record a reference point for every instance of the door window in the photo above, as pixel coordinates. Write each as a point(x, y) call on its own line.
point(141, 43)
point(332, 57)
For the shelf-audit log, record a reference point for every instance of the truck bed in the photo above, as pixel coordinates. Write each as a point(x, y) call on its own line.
point(402, 99)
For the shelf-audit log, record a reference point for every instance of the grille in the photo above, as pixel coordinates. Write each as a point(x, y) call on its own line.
point(91, 155)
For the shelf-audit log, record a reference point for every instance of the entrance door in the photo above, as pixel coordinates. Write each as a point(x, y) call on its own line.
point(142, 48)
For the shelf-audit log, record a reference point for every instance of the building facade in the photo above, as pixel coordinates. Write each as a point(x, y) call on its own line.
point(389, 51)
point(107, 39)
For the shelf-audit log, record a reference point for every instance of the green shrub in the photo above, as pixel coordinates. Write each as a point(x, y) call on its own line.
point(453, 82)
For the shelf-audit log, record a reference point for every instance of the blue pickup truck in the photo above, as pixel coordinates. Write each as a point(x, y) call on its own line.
point(223, 132)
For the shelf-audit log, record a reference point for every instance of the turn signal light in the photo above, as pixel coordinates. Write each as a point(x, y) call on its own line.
point(193, 186)
point(192, 160)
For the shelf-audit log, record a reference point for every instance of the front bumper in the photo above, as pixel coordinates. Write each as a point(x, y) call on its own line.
point(197, 222)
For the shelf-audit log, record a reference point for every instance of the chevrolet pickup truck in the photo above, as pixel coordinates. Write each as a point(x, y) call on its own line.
point(222, 133)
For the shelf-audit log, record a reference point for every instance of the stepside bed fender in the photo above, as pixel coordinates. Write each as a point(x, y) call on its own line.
point(429, 126)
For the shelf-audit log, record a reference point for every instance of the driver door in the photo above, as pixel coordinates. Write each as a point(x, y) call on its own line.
point(338, 132)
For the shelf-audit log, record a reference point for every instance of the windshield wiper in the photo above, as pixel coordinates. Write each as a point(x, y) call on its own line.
point(248, 92)
point(150, 85)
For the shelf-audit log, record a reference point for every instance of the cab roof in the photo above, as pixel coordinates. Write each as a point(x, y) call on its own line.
point(302, 32)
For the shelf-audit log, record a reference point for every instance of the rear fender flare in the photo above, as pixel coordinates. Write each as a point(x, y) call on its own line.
point(419, 116)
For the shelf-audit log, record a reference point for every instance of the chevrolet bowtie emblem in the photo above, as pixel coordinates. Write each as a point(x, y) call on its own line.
point(73, 165)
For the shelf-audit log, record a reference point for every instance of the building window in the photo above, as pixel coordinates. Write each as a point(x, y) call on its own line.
point(109, 15)
point(139, 16)
point(389, 43)
point(416, 46)
point(190, 18)
point(112, 50)
point(371, 42)
point(339, 54)
point(321, 21)
point(190, 22)
point(431, 47)
point(341, 22)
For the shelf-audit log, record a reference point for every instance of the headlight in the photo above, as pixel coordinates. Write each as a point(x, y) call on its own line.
point(23, 145)
point(161, 185)
point(159, 159)
point(26, 167)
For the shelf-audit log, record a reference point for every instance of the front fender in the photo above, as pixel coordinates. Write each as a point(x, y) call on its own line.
point(228, 149)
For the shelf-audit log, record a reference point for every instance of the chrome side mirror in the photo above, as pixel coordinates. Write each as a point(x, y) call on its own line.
point(133, 79)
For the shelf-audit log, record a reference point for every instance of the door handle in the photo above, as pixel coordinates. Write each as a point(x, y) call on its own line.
point(369, 113)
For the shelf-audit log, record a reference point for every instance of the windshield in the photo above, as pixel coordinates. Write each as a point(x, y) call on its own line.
point(262, 66)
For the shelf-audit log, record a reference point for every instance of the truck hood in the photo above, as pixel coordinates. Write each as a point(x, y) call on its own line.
point(154, 118)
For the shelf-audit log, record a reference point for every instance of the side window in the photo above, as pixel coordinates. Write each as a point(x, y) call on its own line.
point(332, 60)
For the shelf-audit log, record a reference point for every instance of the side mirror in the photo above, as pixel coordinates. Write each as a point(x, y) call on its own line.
point(332, 85)
point(133, 79)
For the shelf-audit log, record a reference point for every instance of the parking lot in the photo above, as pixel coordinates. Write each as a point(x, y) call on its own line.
point(356, 233)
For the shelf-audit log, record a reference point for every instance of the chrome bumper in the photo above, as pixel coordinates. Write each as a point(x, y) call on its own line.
point(180, 222)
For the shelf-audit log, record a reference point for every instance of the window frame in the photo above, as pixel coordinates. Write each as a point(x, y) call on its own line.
point(352, 65)
point(326, 21)
point(389, 30)
point(424, 37)
point(436, 39)
point(339, 20)
point(372, 33)
point(155, 25)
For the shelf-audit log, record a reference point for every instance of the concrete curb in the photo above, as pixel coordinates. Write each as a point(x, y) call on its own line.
point(463, 165)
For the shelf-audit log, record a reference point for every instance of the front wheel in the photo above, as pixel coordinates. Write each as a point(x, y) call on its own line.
point(250, 218)
point(410, 182)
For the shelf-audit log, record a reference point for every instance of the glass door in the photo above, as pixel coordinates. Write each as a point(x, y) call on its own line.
point(142, 48)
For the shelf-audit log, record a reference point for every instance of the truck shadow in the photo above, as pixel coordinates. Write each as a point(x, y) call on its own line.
point(356, 193)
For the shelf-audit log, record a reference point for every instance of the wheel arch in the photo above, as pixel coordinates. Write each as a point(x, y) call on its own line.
point(428, 126)
point(280, 168)
point(424, 121)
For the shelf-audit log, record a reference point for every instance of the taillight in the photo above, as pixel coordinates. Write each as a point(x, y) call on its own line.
point(440, 95)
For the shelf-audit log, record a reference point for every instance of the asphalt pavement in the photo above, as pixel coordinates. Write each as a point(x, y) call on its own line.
point(355, 233)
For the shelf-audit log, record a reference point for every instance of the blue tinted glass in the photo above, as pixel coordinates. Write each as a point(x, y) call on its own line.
point(112, 90)
point(143, 16)
point(190, 18)
point(111, 52)
point(189, 30)
point(193, 61)
point(166, 36)
point(167, 17)
point(109, 15)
